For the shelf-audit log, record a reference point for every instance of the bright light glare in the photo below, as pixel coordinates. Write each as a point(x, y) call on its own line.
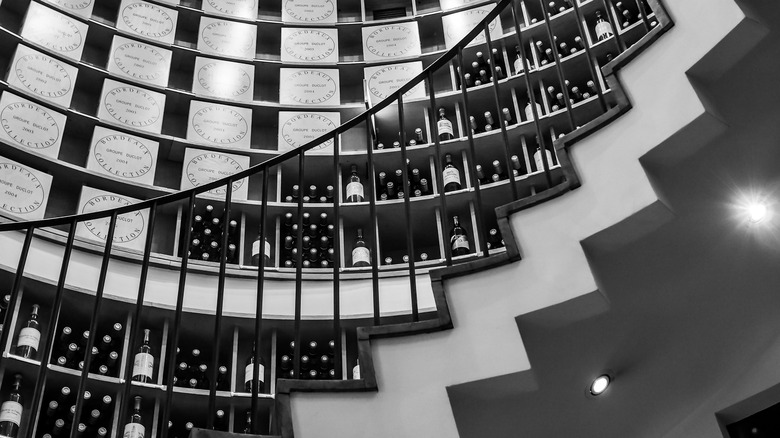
point(756, 212)
point(599, 385)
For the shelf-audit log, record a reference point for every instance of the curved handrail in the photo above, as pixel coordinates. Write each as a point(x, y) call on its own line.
point(448, 56)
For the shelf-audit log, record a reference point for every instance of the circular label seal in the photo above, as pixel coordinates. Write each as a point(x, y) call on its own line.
point(43, 75)
point(148, 20)
point(29, 125)
point(387, 80)
point(132, 106)
point(391, 41)
point(311, 87)
point(21, 192)
point(309, 45)
point(219, 124)
point(229, 38)
point(211, 166)
point(241, 8)
point(309, 10)
point(139, 61)
point(471, 18)
point(224, 80)
point(302, 128)
point(62, 36)
point(74, 5)
point(123, 156)
point(129, 226)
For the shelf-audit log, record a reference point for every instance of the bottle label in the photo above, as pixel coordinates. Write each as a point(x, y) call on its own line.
point(356, 372)
point(256, 248)
point(143, 365)
point(249, 374)
point(361, 254)
point(460, 242)
point(445, 127)
point(518, 65)
point(29, 337)
point(451, 175)
point(529, 114)
point(538, 160)
point(11, 412)
point(355, 188)
point(134, 430)
point(603, 30)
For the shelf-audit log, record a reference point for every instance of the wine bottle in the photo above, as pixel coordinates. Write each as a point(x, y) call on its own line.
point(256, 250)
point(29, 336)
point(355, 187)
point(222, 378)
point(603, 29)
point(529, 114)
point(451, 175)
point(220, 420)
point(489, 122)
point(356, 370)
point(418, 136)
point(134, 428)
point(249, 373)
point(143, 364)
point(538, 158)
point(248, 426)
point(498, 171)
point(459, 241)
point(11, 410)
point(361, 256)
point(444, 126)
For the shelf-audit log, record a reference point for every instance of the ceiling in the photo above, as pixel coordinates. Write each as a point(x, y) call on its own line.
point(694, 307)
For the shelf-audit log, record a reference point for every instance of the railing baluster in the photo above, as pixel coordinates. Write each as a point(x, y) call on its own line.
point(643, 15)
point(471, 155)
point(255, 411)
point(504, 135)
point(437, 165)
point(173, 334)
point(407, 210)
point(299, 272)
point(590, 56)
point(531, 95)
point(336, 258)
point(93, 324)
point(374, 223)
point(136, 321)
point(220, 304)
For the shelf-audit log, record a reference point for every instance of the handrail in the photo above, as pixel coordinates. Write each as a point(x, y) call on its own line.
point(183, 194)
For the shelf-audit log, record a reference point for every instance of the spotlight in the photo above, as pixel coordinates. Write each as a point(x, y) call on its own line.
point(756, 212)
point(600, 384)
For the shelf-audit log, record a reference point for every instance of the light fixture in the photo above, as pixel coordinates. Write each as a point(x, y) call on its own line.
point(600, 384)
point(756, 212)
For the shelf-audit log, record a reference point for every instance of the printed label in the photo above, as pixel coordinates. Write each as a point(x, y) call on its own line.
point(391, 41)
point(249, 373)
point(256, 250)
point(224, 79)
point(44, 76)
point(11, 411)
point(140, 61)
point(54, 30)
point(219, 124)
point(356, 372)
point(30, 125)
point(73, 5)
point(460, 242)
point(309, 11)
point(538, 159)
point(297, 129)
point(355, 188)
point(29, 337)
point(445, 127)
point(457, 25)
point(309, 87)
point(149, 20)
point(603, 30)
point(130, 227)
point(386, 80)
point(361, 254)
point(210, 166)
point(518, 65)
point(143, 365)
point(309, 45)
point(529, 114)
point(132, 106)
point(134, 430)
point(227, 38)
point(451, 175)
point(123, 156)
point(21, 192)
point(234, 8)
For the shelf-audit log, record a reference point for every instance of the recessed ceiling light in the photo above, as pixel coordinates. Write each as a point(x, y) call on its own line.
point(756, 212)
point(600, 384)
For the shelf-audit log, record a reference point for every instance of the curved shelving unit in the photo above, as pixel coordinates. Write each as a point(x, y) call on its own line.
point(142, 281)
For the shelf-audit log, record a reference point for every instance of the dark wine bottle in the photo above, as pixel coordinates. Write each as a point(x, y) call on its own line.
point(451, 175)
point(143, 364)
point(603, 29)
point(134, 428)
point(256, 250)
point(361, 255)
point(459, 241)
point(11, 410)
point(29, 336)
point(249, 375)
point(355, 187)
point(444, 126)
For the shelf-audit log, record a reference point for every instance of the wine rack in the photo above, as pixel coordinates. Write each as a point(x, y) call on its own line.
point(146, 99)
